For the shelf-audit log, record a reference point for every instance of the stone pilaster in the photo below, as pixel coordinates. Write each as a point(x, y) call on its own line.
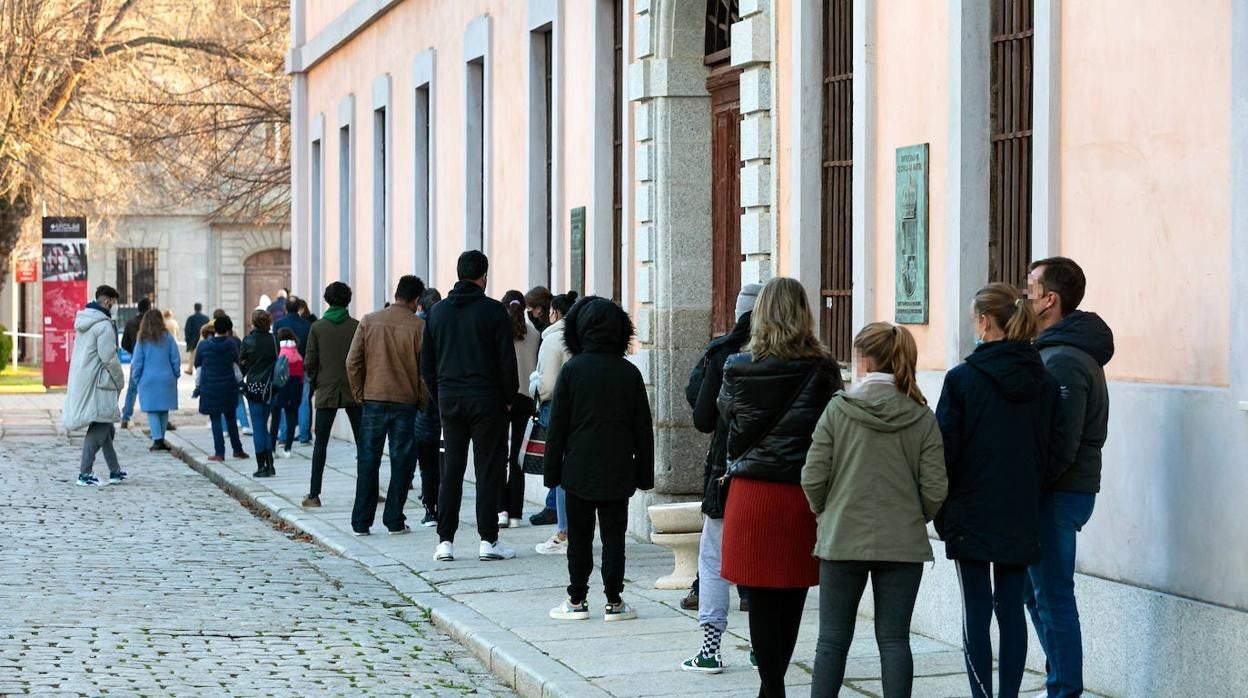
point(752, 47)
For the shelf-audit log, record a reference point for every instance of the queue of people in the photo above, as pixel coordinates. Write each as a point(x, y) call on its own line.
point(806, 483)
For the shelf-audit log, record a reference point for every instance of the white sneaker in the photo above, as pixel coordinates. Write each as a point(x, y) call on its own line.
point(285, 453)
point(503, 519)
point(516, 523)
point(445, 551)
point(246, 431)
point(554, 546)
point(566, 611)
point(618, 611)
point(495, 551)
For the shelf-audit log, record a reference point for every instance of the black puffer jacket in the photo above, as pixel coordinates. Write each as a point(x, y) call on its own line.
point(765, 443)
point(706, 418)
point(600, 445)
point(997, 418)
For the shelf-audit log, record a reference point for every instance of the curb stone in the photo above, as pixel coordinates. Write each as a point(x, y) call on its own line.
point(515, 662)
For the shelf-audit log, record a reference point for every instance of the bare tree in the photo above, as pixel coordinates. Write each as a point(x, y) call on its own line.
point(106, 103)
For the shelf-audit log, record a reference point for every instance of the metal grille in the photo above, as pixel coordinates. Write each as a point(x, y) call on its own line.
point(838, 165)
point(1009, 236)
point(720, 16)
point(136, 274)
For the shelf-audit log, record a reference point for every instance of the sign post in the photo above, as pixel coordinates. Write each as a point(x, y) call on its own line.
point(64, 292)
point(25, 271)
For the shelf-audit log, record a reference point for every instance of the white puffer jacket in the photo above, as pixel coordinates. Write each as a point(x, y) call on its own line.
point(95, 376)
point(550, 360)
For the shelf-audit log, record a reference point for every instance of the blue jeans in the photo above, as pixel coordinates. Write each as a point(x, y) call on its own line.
point(132, 392)
point(158, 422)
point(382, 420)
point(259, 417)
point(241, 413)
point(555, 498)
point(221, 424)
point(1050, 592)
point(305, 418)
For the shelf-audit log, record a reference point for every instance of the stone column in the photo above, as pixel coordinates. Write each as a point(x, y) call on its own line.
point(751, 51)
point(673, 234)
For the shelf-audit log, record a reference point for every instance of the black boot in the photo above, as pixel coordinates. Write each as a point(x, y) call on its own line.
point(269, 459)
point(262, 469)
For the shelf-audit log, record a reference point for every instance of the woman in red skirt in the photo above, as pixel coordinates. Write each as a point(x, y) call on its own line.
point(773, 395)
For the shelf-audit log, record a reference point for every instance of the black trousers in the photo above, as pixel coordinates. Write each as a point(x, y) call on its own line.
point(324, 423)
point(775, 618)
point(612, 517)
point(429, 456)
point(483, 421)
point(511, 494)
point(275, 422)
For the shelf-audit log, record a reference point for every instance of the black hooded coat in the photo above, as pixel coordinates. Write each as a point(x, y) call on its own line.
point(600, 444)
point(997, 416)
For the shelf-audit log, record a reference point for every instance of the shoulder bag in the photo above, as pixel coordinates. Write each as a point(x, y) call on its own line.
point(734, 465)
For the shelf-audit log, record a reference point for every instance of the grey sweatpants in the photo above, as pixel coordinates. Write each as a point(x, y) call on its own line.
point(99, 436)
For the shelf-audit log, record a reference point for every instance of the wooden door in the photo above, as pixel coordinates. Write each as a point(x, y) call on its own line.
point(724, 84)
point(265, 273)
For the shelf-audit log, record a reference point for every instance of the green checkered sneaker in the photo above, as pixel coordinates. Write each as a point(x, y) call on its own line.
point(704, 663)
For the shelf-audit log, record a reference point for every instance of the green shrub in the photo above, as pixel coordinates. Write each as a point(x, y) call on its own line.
point(6, 348)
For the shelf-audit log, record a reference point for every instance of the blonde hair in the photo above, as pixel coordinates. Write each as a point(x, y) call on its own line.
point(1009, 309)
point(782, 326)
point(892, 347)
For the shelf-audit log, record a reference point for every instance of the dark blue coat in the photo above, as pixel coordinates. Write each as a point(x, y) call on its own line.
point(218, 389)
point(997, 415)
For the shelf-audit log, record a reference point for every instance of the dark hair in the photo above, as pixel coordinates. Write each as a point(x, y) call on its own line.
point(145, 304)
point(472, 265)
point(1010, 311)
point(219, 312)
point(427, 299)
point(338, 294)
point(152, 326)
point(223, 324)
point(1064, 277)
point(514, 302)
point(409, 288)
point(285, 334)
point(261, 320)
point(199, 307)
point(563, 302)
point(538, 297)
point(292, 304)
point(106, 291)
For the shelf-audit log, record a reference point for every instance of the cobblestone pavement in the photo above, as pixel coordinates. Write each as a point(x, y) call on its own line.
point(165, 585)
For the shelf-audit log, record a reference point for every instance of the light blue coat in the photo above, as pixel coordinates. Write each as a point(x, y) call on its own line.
point(156, 367)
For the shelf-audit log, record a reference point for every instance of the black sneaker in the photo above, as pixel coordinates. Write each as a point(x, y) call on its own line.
point(431, 519)
point(118, 477)
point(88, 481)
point(545, 517)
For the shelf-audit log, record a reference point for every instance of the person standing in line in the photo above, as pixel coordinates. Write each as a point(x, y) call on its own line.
point(300, 326)
point(538, 302)
point(216, 360)
point(383, 366)
point(428, 434)
point(170, 324)
point(155, 369)
point(277, 308)
point(325, 369)
point(773, 395)
point(286, 403)
point(129, 335)
point(195, 322)
point(240, 411)
point(526, 339)
point(1075, 347)
point(600, 448)
point(204, 333)
point(551, 356)
point(95, 383)
point(470, 365)
point(997, 419)
point(710, 590)
point(874, 477)
point(305, 312)
point(258, 359)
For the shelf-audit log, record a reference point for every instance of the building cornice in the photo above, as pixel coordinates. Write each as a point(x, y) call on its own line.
point(345, 26)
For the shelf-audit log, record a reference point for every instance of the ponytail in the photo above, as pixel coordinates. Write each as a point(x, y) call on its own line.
point(1009, 310)
point(563, 302)
point(514, 302)
point(893, 347)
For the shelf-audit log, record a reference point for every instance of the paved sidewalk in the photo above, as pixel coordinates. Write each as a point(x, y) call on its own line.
point(499, 609)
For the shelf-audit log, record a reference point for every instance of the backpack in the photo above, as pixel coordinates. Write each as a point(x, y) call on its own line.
point(281, 368)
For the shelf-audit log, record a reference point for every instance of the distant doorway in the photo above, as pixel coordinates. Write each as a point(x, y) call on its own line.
point(264, 273)
point(724, 85)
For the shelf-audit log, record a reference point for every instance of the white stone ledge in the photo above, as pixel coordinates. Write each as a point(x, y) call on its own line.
point(751, 41)
point(749, 8)
point(755, 90)
point(663, 77)
point(756, 136)
point(645, 243)
point(756, 271)
point(756, 231)
point(756, 184)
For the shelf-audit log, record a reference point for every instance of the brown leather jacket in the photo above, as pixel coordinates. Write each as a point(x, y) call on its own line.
point(383, 364)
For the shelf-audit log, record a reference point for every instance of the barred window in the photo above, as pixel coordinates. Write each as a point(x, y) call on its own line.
point(136, 274)
point(837, 181)
point(1009, 229)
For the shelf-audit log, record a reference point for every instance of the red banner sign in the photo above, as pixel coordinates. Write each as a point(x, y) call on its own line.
point(64, 292)
point(26, 271)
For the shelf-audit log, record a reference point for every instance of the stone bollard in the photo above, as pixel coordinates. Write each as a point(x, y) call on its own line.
point(678, 527)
